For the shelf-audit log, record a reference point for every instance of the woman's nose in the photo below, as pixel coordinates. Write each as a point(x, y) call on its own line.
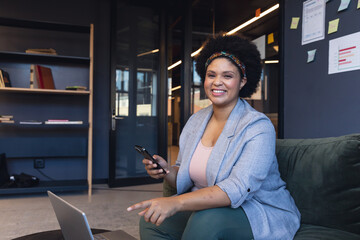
point(217, 81)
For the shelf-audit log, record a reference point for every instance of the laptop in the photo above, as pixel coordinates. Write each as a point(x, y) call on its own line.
point(74, 225)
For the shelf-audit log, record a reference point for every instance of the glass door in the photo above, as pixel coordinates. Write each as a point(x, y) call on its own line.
point(135, 65)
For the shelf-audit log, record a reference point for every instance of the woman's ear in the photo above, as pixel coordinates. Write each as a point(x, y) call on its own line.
point(243, 82)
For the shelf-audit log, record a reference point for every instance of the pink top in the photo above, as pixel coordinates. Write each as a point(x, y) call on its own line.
point(197, 169)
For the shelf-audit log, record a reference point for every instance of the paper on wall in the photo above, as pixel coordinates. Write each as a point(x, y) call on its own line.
point(333, 26)
point(260, 44)
point(295, 22)
point(343, 5)
point(313, 21)
point(344, 53)
point(311, 55)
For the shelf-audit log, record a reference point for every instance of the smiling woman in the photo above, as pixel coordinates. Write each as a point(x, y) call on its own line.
point(226, 175)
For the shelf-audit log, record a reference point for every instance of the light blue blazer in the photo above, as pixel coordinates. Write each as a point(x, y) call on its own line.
point(244, 165)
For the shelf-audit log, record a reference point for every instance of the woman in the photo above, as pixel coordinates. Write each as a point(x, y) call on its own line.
point(227, 177)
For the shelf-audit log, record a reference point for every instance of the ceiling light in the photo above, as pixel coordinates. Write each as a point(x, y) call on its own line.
point(247, 23)
point(174, 65)
point(196, 52)
point(149, 52)
point(271, 61)
point(175, 88)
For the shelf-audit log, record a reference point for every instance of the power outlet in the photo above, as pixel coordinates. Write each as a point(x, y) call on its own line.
point(39, 163)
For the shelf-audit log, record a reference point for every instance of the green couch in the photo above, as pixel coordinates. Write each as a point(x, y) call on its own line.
point(323, 176)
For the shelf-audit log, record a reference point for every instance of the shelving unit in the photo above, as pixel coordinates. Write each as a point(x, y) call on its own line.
point(42, 96)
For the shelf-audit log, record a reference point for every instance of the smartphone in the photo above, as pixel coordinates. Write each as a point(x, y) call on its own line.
point(146, 155)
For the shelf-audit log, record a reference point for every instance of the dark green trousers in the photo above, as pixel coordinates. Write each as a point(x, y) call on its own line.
point(217, 223)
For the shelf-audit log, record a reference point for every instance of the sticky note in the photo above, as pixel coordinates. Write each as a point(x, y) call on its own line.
point(311, 55)
point(333, 26)
point(295, 22)
point(343, 5)
point(257, 12)
point(270, 38)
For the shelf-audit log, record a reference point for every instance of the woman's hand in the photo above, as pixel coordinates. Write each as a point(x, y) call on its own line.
point(151, 167)
point(157, 209)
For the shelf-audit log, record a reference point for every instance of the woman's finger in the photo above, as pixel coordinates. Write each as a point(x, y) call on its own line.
point(160, 220)
point(139, 205)
point(154, 217)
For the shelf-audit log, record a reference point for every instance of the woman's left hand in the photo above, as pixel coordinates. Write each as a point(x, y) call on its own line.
point(157, 209)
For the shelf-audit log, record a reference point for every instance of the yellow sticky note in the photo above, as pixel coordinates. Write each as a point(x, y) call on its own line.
point(270, 38)
point(333, 26)
point(295, 22)
point(358, 6)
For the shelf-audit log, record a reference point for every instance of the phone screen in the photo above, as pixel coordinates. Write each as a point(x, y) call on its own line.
point(147, 155)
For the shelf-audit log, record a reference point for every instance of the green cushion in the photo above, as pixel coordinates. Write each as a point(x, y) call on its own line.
point(168, 190)
point(323, 176)
point(311, 232)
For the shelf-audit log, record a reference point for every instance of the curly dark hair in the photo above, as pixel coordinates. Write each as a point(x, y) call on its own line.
point(241, 48)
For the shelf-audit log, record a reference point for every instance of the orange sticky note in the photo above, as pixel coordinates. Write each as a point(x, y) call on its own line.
point(270, 38)
point(257, 12)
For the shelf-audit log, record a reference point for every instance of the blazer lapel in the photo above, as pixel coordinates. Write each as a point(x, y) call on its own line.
point(195, 134)
point(218, 153)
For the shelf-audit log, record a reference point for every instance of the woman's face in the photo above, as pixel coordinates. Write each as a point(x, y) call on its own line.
point(223, 83)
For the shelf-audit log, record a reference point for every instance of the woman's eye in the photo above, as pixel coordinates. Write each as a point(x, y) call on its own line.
point(211, 75)
point(228, 76)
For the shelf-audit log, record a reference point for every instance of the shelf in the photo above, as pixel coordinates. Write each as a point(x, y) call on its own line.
point(51, 126)
point(44, 91)
point(43, 187)
point(51, 26)
point(30, 57)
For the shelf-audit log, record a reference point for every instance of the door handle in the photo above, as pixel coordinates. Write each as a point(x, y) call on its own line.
point(113, 122)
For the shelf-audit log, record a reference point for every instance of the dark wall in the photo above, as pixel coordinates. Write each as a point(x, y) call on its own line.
point(80, 12)
point(317, 104)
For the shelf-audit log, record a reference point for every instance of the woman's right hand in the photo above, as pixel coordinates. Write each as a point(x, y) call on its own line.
point(151, 167)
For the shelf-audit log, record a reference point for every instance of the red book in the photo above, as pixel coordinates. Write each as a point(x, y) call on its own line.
point(44, 77)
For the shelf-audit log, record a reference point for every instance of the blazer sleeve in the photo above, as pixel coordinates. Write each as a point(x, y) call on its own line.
point(255, 157)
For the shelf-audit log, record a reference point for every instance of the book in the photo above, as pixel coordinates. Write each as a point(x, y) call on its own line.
point(6, 116)
point(58, 120)
point(64, 122)
point(6, 78)
point(44, 77)
point(33, 80)
point(7, 121)
point(30, 122)
point(50, 51)
point(2, 83)
point(76, 88)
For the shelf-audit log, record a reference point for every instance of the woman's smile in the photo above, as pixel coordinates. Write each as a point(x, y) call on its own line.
point(218, 92)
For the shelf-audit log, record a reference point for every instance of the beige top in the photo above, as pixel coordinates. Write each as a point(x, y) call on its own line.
point(197, 169)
